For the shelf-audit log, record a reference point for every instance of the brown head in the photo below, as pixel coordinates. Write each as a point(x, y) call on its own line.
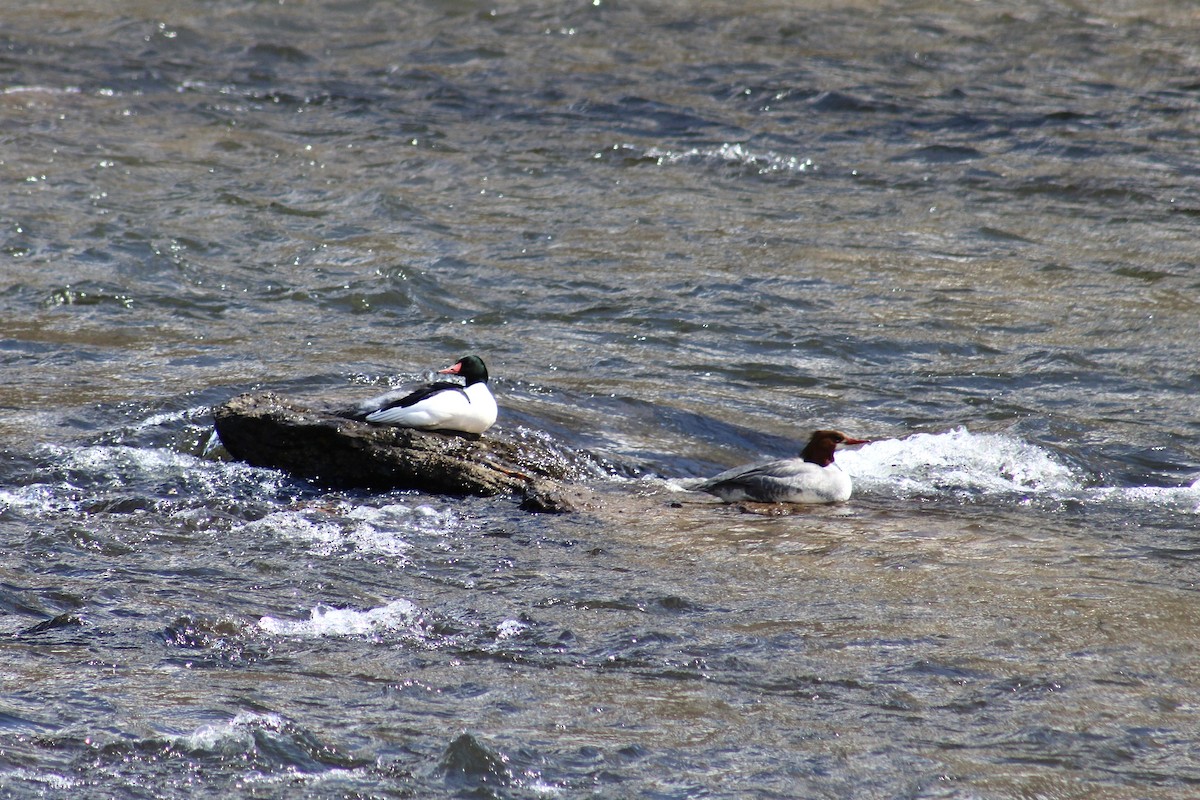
point(821, 445)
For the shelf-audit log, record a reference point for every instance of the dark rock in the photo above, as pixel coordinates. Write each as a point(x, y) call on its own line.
point(467, 757)
point(266, 430)
point(61, 621)
point(546, 497)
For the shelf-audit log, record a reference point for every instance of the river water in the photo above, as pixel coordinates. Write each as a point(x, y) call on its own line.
point(682, 235)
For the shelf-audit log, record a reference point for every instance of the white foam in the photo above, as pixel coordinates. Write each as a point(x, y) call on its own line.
point(959, 462)
point(326, 537)
point(764, 161)
point(292, 779)
point(108, 458)
point(510, 628)
point(344, 529)
point(399, 616)
point(123, 465)
point(1185, 499)
point(171, 418)
point(80, 476)
point(234, 735)
point(41, 90)
point(51, 780)
point(38, 499)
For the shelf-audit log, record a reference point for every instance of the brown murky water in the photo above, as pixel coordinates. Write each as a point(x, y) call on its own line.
point(682, 235)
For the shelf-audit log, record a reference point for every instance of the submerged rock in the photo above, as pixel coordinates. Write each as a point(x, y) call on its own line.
point(266, 430)
point(61, 621)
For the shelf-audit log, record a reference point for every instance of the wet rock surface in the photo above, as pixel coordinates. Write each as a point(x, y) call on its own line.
point(318, 444)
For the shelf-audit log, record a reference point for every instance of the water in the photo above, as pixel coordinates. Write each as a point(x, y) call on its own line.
point(682, 235)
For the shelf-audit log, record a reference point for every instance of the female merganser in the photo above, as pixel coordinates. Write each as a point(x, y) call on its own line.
point(467, 407)
point(811, 478)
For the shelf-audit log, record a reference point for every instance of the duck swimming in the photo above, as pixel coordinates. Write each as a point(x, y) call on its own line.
point(466, 407)
point(811, 478)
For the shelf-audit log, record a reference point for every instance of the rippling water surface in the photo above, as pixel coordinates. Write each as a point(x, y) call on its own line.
point(682, 235)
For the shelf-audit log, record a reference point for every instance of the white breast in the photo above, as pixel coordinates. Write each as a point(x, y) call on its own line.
point(470, 410)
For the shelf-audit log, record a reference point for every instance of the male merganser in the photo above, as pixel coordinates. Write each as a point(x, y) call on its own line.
point(468, 407)
point(811, 478)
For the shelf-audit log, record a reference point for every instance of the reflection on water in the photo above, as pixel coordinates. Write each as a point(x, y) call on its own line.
point(685, 236)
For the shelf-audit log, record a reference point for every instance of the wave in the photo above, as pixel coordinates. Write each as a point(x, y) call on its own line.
point(82, 481)
point(1184, 499)
point(398, 617)
point(958, 462)
point(734, 154)
point(965, 465)
point(267, 740)
point(74, 479)
point(343, 528)
point(398, 620)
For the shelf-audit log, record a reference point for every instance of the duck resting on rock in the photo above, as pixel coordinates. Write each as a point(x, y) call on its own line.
point(811, 478)
point(466, 407)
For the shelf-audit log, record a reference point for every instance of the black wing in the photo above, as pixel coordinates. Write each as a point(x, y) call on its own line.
point(420, 394)
point(394, 399)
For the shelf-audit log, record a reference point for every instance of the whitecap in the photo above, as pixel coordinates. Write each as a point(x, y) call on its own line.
point(128, 461)
point(964, 464)
point(52, 780)
point(1184, 499)
point(39, 500)
point(959, 462)
point(325, 534)
point(231, 736)
point(510, 628)
point(738, 154)
point(397, 617)
point(356, 530)
point(75, 479)
point(172, 418)
point(125, 464)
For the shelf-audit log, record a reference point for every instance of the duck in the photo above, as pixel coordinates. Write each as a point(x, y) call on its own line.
point(811, 478)
point(466, 407)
